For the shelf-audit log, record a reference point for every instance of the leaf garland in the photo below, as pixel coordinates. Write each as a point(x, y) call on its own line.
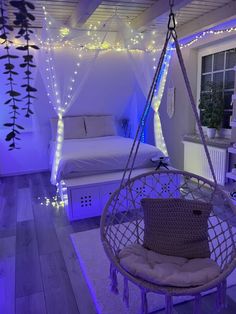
point(22, 20)
point(12, 136)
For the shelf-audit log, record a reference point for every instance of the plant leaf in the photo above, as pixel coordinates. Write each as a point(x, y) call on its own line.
point(7, 101)
point(30, 16)
point(30, 5)
point(23, 48)
point(10, 136)
point(34, 46)
point(19, 127)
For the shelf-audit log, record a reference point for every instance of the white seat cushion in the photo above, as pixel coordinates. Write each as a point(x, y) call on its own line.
point(167, 270)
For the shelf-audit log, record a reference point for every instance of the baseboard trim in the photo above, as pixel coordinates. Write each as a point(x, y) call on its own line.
point(20, 173)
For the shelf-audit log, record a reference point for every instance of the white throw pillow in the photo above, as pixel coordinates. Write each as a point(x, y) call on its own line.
point(74, 127)
point(97, 126)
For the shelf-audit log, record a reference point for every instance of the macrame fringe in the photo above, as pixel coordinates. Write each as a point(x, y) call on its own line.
point(113, 278)
point(126, 292)
point(221, 302)
point(144, 305)
point(197, 304)
point(169, 304)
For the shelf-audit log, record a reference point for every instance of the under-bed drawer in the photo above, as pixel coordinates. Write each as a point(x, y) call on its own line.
point(86, 202)
point(106, 191)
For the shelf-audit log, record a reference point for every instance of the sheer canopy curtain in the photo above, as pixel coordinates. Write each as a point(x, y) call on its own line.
point(144, 64)
point(64, 70)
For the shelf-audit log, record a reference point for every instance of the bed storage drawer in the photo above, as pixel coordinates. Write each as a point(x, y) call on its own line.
point(86, 202)
point(106, 191)
point(88, 196)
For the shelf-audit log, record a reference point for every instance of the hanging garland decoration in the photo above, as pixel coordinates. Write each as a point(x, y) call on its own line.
point(22, 22)
point(12, 136)
point(22, 19)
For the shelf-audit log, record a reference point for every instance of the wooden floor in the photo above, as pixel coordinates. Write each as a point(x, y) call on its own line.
point(39, 271)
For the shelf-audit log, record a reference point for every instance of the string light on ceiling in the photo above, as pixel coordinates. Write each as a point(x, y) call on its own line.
point(205, 33)
point(135, 42)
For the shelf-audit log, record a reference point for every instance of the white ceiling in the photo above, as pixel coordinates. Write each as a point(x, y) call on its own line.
point(192, 15)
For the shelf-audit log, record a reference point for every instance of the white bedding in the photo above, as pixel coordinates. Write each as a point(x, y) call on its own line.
point(82, 157)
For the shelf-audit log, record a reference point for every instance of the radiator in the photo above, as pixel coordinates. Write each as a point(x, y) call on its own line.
point(195, 161)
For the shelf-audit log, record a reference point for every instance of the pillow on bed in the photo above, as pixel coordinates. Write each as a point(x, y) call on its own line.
point(74, 127)
point(97, 126)
point(176, 227)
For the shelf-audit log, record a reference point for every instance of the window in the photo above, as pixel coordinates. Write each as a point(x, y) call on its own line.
point(219, 68)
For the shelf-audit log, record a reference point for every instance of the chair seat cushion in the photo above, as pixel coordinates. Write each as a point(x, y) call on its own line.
point(167, 270)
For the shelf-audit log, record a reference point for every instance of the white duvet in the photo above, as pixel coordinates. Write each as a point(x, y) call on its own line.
point(82, 157)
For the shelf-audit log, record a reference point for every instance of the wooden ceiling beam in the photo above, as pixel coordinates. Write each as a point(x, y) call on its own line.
point(159, 8)
point(82, 12)
point(208, 20)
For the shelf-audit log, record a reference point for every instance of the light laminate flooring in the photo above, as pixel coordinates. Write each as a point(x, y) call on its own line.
point(39, 271)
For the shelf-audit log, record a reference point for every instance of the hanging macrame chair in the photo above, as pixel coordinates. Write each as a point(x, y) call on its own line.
point(122, 221)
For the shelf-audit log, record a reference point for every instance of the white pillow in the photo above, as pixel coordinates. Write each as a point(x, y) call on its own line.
point(97, 126)
point(74, 127)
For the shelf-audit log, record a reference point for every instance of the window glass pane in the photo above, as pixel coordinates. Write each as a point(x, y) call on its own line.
point(218, 78)
point(230, 58)
point(205, 79)
point(228, 99)
point(202, 118)
point(219, 61)
point(226, 120)
point(207, 64)
point(229, 79)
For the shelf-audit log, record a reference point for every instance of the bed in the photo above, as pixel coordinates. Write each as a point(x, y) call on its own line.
point(92, 161)
point(91, 146)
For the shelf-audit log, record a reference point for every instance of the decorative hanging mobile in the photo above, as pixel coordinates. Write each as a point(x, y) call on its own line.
point(122, 222)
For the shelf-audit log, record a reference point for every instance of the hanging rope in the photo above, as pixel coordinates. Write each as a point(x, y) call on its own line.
point(171, 33)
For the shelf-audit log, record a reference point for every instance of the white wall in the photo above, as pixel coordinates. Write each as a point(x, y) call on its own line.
point(183, 120)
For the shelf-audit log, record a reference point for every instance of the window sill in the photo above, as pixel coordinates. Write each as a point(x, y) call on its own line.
point(216, 142)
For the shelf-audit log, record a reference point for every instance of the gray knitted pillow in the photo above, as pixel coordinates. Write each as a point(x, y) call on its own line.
point(176, 227)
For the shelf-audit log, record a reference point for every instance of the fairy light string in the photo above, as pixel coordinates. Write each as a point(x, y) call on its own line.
point(55, 98)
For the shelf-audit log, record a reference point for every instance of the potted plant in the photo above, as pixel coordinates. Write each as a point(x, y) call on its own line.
point(211, 107)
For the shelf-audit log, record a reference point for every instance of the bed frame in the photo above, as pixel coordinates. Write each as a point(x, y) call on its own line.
point(87, 196)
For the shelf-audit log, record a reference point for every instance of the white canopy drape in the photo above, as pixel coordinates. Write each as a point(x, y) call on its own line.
point(77, 62)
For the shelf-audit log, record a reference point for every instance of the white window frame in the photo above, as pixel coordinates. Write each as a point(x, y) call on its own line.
point(202, 52)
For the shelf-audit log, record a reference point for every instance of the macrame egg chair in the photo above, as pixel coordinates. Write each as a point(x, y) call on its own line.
point(180, 205)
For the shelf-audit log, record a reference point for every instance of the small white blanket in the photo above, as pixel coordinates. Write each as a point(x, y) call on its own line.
point(167, 270)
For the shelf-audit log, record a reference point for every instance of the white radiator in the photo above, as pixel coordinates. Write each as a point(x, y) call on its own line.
point(195, 161)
